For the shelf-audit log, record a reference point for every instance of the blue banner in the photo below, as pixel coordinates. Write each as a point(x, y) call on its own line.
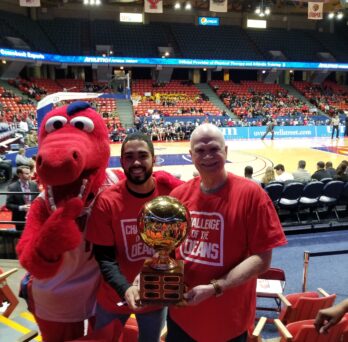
point(231, 133)
point(172, 62)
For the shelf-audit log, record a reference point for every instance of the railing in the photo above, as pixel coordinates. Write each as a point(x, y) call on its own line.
point(306, 257)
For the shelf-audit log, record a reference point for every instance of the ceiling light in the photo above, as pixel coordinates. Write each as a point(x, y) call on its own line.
point(188, 6)
point(331, 15)
point(339, 15)
point(177, 5)
point(262, 10)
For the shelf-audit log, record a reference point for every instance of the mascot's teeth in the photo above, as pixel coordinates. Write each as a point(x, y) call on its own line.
point(83, 188)
point(51, 198)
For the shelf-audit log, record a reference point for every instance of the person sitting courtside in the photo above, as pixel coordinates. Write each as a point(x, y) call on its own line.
point(301, 175)
point(248, 173)
point(282, 175)
point(321, 173)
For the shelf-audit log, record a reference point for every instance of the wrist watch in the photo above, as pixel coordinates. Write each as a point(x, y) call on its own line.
point(217, 287)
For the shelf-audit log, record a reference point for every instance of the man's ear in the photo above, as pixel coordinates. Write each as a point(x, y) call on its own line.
point(190, 152)
point(226, 149)
point(153, 160)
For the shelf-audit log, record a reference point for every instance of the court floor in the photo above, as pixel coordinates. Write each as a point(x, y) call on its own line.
point(174, 157)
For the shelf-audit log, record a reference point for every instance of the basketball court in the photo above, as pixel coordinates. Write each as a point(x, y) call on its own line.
point(174, 157)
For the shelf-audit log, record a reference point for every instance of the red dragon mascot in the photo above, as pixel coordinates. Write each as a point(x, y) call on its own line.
point(71, 164)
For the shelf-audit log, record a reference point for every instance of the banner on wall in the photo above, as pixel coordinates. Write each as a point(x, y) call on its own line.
point(315, 10)
point(218, 6)
point(29, 3)
point(153, 6)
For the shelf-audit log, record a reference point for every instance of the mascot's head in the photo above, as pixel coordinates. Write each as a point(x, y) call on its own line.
point(73, 148)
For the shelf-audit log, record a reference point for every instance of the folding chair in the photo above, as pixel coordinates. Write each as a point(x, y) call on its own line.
point(269, 285)
point(305, 305)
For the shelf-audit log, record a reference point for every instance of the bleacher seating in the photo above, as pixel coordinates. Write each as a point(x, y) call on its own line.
point(64, 33)
point(296, 45)
point(29, 31)
point(144, 38)
point(251, 97)
point(185, 98)
point(328, 94)
point(71, 36)
point(223, 42)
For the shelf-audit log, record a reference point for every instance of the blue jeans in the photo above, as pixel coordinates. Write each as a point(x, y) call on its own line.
point(150, 323)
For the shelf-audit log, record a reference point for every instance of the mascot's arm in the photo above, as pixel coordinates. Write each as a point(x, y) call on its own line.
point(167, 179)
point(47, 236)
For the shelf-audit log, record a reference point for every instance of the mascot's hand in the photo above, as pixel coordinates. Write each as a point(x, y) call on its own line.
point(60, 233)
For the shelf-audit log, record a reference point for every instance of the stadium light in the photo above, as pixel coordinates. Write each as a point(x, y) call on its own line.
point(262, 10)
point(92, 2)
point(188, 6)
point(177, 5)
point(338, 15)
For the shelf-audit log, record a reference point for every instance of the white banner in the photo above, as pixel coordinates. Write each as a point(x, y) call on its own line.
point(29, 3)
point(218, 6)
point(315, 10)
point(153, 6)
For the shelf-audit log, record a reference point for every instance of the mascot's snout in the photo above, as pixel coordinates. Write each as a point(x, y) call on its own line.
point(57, 165)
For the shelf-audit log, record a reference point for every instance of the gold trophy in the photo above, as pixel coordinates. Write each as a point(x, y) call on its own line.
point(163, 224)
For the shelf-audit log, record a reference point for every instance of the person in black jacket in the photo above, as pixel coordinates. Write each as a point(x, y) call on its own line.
point(321, 173)
point(19, 204)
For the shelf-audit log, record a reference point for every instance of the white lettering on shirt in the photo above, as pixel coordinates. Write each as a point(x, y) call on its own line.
point(204, 244)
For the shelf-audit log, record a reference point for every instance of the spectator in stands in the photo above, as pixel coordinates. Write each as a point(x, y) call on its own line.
point(269, 176)
point(19, 204)
point(23, 126)
point(21, 159)
point(329, 168)
point(341, 173)
point(321, 173)
point(301, 175)
point(248, 173)
point(282, 175)
point(31, 139)
point(335, 122)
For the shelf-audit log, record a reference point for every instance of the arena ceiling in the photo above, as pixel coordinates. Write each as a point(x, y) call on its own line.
point(277, 6)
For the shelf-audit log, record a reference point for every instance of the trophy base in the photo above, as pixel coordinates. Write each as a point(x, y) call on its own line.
point(162, 286)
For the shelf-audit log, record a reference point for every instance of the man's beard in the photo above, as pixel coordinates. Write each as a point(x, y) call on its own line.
point(138, 180)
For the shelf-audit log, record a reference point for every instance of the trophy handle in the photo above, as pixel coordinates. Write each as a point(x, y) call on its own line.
point(162, 261)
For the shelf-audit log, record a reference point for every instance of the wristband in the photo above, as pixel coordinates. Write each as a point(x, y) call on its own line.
point(217, 288)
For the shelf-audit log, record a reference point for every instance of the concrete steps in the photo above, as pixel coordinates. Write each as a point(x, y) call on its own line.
point(125, 112)
point(213, 98)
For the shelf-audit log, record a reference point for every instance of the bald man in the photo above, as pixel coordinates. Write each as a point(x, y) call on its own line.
point(234, 229)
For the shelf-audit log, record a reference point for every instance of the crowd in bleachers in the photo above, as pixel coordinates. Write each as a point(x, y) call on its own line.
point(329, 97)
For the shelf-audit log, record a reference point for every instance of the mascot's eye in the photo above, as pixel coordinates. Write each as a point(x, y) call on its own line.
point(83, 123)
point(54, 123)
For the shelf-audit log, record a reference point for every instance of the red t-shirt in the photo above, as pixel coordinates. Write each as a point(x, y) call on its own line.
point(113, 222)
point(227, 227)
